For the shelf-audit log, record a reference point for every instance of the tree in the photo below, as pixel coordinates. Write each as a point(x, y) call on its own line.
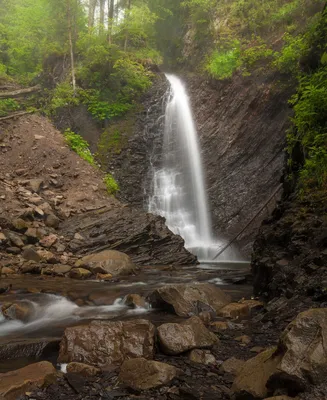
point(111, 9)
point(102, 14)
point(92, 7)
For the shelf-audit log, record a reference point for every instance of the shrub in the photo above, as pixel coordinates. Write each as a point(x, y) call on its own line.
point(111, 184)
point(222, 64)
point(7, 106)
point(79, 145)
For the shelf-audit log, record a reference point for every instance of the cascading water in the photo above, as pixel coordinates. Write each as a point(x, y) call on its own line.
point(178, 186)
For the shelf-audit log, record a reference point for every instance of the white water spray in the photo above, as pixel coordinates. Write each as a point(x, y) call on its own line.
point(178, 191)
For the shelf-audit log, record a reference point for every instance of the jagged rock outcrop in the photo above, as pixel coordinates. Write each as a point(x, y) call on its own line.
point(241, 123)
point(144, 237)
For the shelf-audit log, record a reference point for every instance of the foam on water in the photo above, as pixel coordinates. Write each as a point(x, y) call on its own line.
point(51, 309)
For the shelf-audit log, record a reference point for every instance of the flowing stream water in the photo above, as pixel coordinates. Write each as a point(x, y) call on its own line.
point(178, 186)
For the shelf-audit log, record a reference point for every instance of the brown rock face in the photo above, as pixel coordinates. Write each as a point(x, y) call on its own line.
point(107, 262)
point(189, 299)
point(191, 334)
point(103, 343)
point(82, 369)
point(16, 383)
point(304, 343)
point(141, 374)
point(252, 380)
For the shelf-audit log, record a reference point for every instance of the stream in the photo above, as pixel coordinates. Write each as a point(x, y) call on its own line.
point(57, 303)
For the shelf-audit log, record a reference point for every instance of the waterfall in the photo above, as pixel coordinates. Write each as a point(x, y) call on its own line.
point(178, 185)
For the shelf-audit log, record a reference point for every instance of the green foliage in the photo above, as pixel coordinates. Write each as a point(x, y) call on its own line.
point(7, 106)
point(79, 145)
point(287, 61)
point(255, 53)
point(222, 64)
point(111, 184)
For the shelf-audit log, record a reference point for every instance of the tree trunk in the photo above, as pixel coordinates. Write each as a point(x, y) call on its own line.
point(129, 4)
point(20, 92)
point(71, 47)
point(92, 6)
point(111, 8)
point(102, 5)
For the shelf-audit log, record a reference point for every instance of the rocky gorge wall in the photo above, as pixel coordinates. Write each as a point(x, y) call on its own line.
point(241, 124)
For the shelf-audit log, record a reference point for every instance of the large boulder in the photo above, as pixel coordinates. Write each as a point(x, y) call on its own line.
point(107, 262)
point(16, 383)
point(189, 299)
point(232, 366)
point(251, 381)
point(304, 348)
point(103, 343)
point(142, 374)
point(191, 334)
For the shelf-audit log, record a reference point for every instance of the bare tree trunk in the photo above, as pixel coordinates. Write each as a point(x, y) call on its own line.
point(71, 48)
point(102, 5)
point(111, 8)
point(92, 6)
point(129, 4)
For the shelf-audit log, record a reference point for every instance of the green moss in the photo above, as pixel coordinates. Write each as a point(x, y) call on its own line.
point(111, 184)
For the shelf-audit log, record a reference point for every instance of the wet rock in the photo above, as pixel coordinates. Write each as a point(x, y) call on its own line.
point(232, 366)
point(103, 343)
point(28, 348)
point(52, 221)
point(219, 326)
point(191, 334)
point(107, 262)
point(80, 273)
point(187, 299)
point(252, 380)
point(134, 301)
point(48, 241)
point(142, 374)
point(104, 277)
point(304, 347)
point(31, 255)
point(15, 383)
point(202, 357)
point(18, 311)
point(82, 369)
point(7, 271)
point(235, 310)
point(254, 305)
